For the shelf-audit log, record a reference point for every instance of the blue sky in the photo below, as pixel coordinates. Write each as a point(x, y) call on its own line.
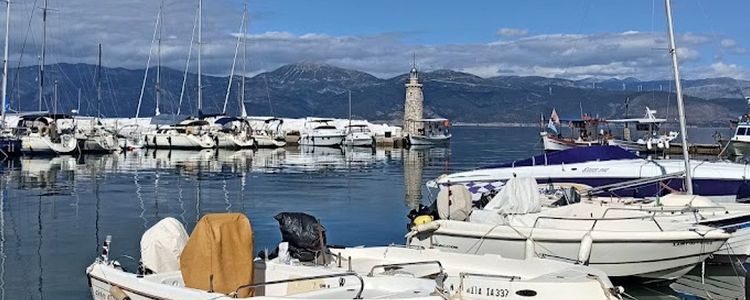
point(570, 39)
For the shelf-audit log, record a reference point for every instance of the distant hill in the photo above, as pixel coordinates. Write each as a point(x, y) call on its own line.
point(306, 89)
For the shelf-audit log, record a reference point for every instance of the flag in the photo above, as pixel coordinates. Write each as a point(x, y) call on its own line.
point(554, 120)
point(551, 126)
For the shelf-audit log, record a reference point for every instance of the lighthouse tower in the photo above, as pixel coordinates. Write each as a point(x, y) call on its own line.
point(413, 103)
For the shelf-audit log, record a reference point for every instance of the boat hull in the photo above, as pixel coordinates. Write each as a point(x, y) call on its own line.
point(32, 144)
point(650, 256)
point(179, 141)
point(555, 144)
point(719, 181)
point(320, 140)
point(425, 140)
point(265, 141)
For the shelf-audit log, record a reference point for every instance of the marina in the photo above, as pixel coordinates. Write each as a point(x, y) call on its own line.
point(66, 206)
point(297, 160)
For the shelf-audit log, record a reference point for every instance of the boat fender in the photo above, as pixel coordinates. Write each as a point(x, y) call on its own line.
point(530, 251)
point(660, 145)
point(584, 252)
point(432, 226)
point(422, 219)
point(649, 145)
point(117, 293)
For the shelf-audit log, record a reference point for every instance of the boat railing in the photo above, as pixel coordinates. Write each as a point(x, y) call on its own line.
point(404, 264)
point(651, 216)
point(510, 278)
point(235, 294)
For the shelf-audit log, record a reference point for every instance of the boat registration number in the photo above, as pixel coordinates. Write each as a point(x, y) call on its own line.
point(488, 291)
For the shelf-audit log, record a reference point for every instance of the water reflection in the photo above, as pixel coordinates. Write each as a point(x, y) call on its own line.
point(54, 212)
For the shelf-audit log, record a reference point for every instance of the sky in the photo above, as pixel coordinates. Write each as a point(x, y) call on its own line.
point(572, 39)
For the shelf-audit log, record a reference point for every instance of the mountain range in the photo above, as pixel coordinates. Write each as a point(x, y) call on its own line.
point(311, 89)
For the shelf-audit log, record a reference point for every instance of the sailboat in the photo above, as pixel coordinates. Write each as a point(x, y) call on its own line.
point(235, 132)
point(95, 137)
point(359, 134)
point(184, 132)
point(42, 132)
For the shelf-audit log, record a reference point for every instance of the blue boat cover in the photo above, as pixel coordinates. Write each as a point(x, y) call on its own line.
point(571, 156)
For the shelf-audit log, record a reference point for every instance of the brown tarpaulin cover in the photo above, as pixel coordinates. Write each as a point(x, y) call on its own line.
point(221, 246)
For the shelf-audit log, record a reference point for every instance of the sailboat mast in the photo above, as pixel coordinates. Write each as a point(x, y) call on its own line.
point(158, 60)
point(44, 49)
point(200, 50)
point(350, 112)
point(99, 84)
point(680, 101)
point(243, 113)
point(5, 61)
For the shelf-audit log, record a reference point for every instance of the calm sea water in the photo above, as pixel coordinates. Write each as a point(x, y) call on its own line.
point(57, 211)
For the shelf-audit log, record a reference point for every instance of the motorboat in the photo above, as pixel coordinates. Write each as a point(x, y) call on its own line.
point(429, 132)
point(267, 132)
point(233, 133)
point(185, 133)
point(488, 275)
point(358, 135)
point(321, 132)
point(45, 133)
point(597, 166)
point(739, 144)
point(649, 138)
point(622, 243)
point(691, 209)
point(175, 266)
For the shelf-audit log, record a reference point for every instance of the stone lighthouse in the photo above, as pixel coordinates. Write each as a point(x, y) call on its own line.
point(413, 103)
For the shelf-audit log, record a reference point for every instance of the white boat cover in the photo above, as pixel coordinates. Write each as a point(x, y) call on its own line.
point(520, 195)
point(162, 244)
point(454, 203)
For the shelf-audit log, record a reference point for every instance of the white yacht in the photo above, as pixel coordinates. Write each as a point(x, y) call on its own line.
point(188, 133)
point(267, 132)
point(46, 133)
point(622, 243)
point(321, 132)
point(233, 133)
point(359, 135)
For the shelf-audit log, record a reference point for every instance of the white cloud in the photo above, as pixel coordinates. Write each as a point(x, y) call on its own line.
point(125, 28)
point(512, 32)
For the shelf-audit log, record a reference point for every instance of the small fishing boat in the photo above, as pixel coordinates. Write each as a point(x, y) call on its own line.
point(321, 132)
point(649, 139)
point(584, 132)
point(429, 132)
